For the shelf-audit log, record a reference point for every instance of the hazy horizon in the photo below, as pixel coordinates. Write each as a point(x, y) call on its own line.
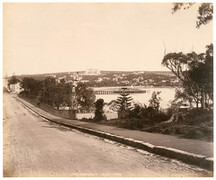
point(86, 69)
point(44, 38)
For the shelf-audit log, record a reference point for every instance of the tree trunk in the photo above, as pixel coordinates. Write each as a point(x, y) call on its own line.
point(203, 105)
point(197, 102)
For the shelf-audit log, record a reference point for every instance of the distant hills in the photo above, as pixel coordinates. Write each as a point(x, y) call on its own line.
point(57, 74)
point(114, 78)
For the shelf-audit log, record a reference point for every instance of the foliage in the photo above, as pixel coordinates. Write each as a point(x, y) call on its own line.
point(49, 91)
point(57, 94)
point(202, 75)
point(138, 111)
point(151, 114)
point(135, 123)
point(199, 117)
point(31, 86)
point(85, 97)
point(154, 102)
point(148, 115)
point(113, 105)
point(195, 71)
point(181, 98)
point(141, 114)
point(197, 125)
point(99, 113)
point(13, 80)
point(205, 12)
point(124, 102)
point(124, 105)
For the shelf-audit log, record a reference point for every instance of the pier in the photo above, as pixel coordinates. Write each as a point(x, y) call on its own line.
point(121, 91)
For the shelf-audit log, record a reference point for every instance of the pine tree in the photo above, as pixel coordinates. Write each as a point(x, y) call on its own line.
point(124, 104)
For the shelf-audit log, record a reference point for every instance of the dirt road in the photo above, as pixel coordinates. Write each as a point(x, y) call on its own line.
point(37, 148)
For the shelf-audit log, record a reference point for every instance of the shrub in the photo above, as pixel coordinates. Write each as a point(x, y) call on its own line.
point(99, 114)
point(198, 116)
point(136, 124)
point(149, 114)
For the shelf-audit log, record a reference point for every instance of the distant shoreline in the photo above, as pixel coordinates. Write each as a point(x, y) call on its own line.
point(137, 87)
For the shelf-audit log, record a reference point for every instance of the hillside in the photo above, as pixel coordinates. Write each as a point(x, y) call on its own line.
point(115, 78)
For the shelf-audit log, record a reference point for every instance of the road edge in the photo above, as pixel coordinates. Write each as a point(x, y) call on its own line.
point(186, 157)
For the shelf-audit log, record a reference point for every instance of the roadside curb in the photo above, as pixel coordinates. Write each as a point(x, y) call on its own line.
point(186, 157)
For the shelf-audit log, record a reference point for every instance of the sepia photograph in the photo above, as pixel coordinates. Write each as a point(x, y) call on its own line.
point(108, 89)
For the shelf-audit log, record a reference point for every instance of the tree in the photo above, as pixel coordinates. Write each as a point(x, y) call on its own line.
point(202, 75)
point(13, 80)
point(139, 111)
point(99, 113)
point(205, 12)
point(195, 71)
point(85, 97)
point(154, 102)
point(113, 105)
point(31, 86)
point(49, 91)
point(58, 96)
point(124, 104)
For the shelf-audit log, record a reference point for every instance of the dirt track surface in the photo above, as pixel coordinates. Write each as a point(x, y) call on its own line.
point(34, 147)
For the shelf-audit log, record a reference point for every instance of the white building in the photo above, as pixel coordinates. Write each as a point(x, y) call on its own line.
point(92, 72)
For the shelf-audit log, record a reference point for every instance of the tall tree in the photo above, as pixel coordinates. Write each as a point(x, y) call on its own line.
point(124, 104)
point(49, 90)
point(195, 71)
point(202, 76)
point(31, 86)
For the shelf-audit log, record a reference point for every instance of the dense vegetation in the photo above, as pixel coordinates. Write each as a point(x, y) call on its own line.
point(195, 72)
point(56, 94)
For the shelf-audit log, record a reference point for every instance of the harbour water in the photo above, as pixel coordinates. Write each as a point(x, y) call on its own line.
point(167, 95)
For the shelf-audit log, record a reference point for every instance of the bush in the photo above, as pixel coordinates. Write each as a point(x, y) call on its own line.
point(136, 124)
point(99, 114)
point(149, 114)
point(198, 116)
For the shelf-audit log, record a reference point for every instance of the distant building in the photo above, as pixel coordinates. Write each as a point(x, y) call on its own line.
point(92, 72)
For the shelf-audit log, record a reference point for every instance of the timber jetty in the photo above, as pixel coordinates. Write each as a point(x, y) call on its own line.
point(120, 91)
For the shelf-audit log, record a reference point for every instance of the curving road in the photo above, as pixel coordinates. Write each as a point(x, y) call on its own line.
point(33, 147)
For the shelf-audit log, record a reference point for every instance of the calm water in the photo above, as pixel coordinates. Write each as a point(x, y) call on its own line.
point(167, 95)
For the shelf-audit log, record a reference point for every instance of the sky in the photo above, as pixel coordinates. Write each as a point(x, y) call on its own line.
point(60, 37)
